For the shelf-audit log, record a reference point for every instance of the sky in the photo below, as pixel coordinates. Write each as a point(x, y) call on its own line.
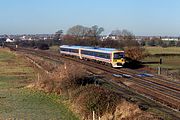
point(141, 17)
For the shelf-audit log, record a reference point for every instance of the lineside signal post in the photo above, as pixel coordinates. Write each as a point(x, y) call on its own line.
point(159, 68)
point(160, 61)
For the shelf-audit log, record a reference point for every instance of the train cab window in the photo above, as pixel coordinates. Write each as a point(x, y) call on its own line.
point(118, 55)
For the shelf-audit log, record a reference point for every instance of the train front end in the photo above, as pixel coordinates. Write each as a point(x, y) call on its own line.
point(118, 59)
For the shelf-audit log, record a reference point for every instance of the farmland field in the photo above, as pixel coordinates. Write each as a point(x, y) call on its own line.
point(19, 102)
point(160, 50)
point(170, 62)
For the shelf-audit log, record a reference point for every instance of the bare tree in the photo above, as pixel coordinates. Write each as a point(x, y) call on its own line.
point(95, 31)
point(78, 31)
point(126, 33)
point(116, 32)
point(125, 37)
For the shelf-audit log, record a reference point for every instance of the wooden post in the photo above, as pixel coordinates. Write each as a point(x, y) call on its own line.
point(159, 70)
point(38, 77)
point(160, 61)
point(93, 115)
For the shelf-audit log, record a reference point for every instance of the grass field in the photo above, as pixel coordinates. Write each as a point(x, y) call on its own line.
point(161, 50)
point(170, 62)
point(19, 102)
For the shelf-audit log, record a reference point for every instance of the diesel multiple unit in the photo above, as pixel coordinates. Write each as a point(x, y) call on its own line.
point(103, 55)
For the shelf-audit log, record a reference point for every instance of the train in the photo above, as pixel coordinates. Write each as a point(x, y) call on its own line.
point(109, 56)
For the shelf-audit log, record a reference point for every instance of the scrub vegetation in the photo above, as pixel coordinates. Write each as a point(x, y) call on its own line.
point(84, 94)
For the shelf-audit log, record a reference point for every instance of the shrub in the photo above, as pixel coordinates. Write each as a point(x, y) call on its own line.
point(43, 46)
point(135, 53)
point(68, 77)
point(96, 98)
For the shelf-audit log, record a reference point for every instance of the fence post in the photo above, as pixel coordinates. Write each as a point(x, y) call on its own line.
point(160, 61)
point(159, 70)
point(93, 115)
point(65, 66)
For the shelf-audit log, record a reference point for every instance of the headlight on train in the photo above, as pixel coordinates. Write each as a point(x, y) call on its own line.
point(122, 60)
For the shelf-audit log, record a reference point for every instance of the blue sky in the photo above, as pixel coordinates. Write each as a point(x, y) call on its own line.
point(142, 17)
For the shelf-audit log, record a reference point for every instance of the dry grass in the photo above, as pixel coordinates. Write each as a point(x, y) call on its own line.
point(95, 98)
point(62, 78)
point(71, 80)
point(46, 65)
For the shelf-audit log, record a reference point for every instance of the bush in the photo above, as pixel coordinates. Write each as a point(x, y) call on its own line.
point(69, 77)
point(135, 53)
point(43, 46)
point(95, 98)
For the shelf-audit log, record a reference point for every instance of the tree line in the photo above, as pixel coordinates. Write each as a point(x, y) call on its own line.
point(92, 36)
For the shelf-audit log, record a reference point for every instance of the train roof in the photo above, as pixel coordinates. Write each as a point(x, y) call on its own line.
point(107, 50)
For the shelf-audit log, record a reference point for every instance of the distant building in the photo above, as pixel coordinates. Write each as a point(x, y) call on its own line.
point(170, 39)
point(10, 40)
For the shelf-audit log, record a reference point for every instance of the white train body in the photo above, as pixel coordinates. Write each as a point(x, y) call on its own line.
point(104, 55)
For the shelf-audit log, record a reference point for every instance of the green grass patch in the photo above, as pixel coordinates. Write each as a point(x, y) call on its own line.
point(6, 55)
point(18, 102)
point(161, 50)
point(168, 62)
point(27, 104)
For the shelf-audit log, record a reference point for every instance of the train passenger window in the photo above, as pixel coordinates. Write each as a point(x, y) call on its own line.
point(96, 54)
point(69, 50)
point(86, 52)
point(107, 56)
point(63, 49)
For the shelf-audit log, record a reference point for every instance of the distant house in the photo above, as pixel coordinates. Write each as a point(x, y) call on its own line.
point(170, 39)
point(113, 37)
point(104, 37)
point(9, 40)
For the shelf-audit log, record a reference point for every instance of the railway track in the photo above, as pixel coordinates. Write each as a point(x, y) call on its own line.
point(158, 80)
point(165, 92)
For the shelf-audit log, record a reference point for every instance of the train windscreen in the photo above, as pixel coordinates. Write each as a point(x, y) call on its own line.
point(118, 55)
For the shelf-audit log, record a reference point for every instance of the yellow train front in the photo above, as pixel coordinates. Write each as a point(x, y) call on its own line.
point(118, 59)
point(104, 55)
